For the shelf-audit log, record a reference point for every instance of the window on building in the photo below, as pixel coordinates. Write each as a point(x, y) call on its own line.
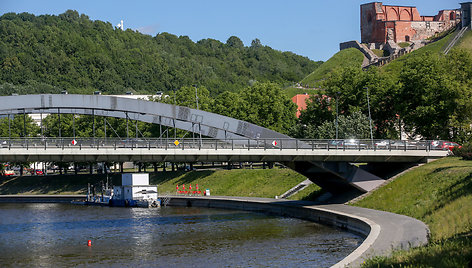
point(407, 38)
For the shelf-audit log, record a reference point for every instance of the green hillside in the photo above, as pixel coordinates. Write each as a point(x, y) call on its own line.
point(345, 58)
point(439, 194)
point(466, 41)
point(395, 67)
point(47, 54)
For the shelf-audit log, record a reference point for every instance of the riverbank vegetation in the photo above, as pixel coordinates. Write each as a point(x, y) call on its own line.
point(237, 182)
point(439, 194)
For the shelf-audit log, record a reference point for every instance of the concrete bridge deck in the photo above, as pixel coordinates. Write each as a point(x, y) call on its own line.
point(212, 150)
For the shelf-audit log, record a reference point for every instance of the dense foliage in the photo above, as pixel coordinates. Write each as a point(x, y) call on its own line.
point(47, 54)
point(429, 98)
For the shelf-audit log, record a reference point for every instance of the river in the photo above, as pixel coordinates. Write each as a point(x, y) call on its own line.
point(56, 235)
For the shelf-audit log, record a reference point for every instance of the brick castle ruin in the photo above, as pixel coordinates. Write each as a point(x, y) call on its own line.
point(384, 26)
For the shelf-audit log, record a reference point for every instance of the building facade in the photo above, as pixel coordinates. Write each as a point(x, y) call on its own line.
point(300, 101)
point(466, 11)
point(382, 23)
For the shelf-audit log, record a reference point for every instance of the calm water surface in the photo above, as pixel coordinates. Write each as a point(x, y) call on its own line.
point(55, 235)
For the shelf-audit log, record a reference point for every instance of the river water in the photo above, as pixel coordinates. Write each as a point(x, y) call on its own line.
point(56, 235)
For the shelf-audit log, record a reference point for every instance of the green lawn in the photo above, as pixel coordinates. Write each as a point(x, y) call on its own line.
point(466, 41)
point(292, 91)
point(439, 194)
point(236, 182)
point(344, 58)
point(394, 68)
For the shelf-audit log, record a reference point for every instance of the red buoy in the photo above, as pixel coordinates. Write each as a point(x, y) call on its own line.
point(89, 243)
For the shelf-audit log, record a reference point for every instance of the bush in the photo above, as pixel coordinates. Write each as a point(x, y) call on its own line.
point(465, 151)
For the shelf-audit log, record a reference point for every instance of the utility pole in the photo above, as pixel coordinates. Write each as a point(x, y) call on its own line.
point(196, 95)
point(370, 118)
point(337, 113)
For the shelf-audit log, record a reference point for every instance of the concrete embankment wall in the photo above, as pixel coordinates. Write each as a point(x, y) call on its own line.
point(283, 208)
point(39, 198)
point(297, 209)
point(383, 231)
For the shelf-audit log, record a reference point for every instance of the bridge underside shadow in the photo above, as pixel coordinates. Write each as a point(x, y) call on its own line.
point(344, 180)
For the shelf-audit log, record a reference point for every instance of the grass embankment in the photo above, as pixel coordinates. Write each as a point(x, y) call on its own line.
point(344, 58)
point(439, 194)
point(236, 182)
point(394, 67)
point(292, 91)
point(466, 41)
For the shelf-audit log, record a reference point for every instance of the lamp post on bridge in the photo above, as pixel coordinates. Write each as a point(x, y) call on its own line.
point(337, 113)
point(370, 118)
point(175, 102)
point(196, 95)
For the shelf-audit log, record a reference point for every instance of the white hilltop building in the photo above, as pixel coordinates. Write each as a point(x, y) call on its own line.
point(121, 26)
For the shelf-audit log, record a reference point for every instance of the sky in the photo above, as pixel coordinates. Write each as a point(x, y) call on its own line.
point(311, 28)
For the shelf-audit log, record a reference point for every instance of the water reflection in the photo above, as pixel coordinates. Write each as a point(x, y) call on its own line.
point(56, 235)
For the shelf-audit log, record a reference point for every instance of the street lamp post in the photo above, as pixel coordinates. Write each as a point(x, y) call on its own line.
point(337, 113)
point(370, 118)
point(196, 95)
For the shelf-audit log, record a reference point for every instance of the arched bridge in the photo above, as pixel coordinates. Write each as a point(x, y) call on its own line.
point(328, 163)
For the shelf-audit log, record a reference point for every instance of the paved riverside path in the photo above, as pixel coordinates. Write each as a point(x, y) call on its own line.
point(383, 231)
point(396, 232)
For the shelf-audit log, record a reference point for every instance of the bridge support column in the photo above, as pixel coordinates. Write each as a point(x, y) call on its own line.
point(164, 167)
point(155, 167)
point(91, 168)
point(173, 166)
point(121, 167)
point(75, 168)
point(139, 167)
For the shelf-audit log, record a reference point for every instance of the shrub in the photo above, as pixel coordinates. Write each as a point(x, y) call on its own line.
point(465, 151)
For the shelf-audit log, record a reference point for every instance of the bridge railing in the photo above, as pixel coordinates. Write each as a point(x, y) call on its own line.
point(206, 143)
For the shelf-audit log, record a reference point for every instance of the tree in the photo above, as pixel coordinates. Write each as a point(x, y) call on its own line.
point(354, 126)
point(234, 42)
point(18, 123)
point(263, 104)
point(428, 98)
point(256, 43)
point(319, 109)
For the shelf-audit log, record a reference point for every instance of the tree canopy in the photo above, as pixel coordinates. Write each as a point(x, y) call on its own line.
point(48, 53)
point(430, 99)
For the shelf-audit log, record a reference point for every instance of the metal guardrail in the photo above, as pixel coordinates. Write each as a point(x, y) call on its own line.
point(215, 144)
point(456, 38)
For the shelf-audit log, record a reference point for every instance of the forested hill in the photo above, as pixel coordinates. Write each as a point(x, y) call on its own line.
point(48, 54)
